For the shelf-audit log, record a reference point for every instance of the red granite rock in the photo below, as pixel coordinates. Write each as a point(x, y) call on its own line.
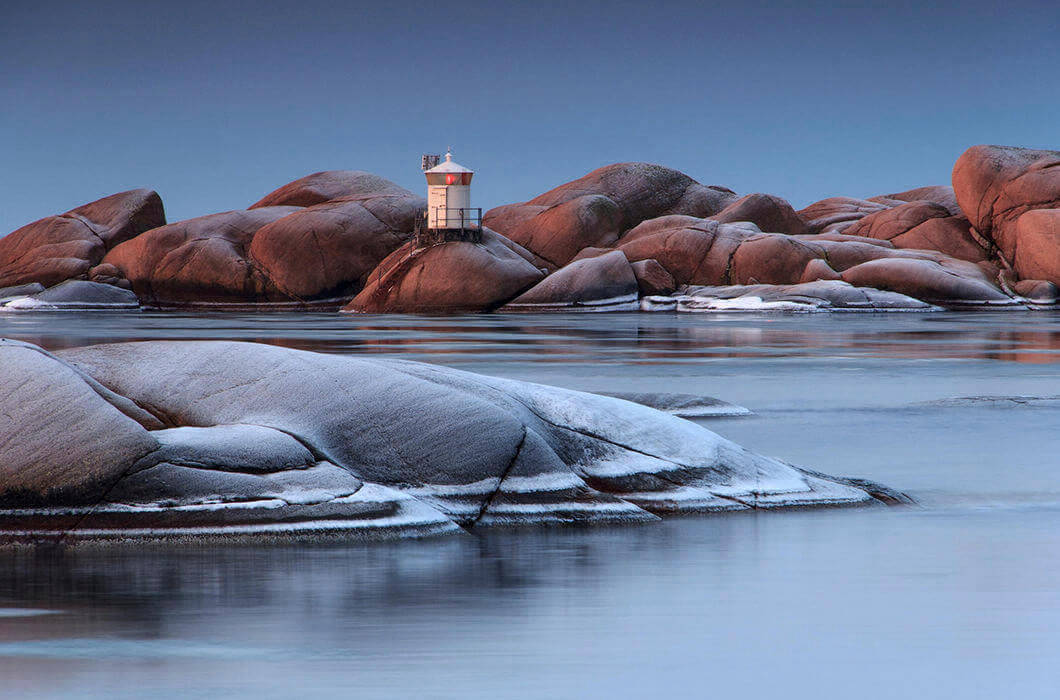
point(57, 248)
point(837, 213)
point(448, 277)
point(997, 185)
point(766, 211)
point(595, 210)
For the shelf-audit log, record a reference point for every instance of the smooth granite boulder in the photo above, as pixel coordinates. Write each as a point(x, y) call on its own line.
point(652, 278)
point(600, 283)
point(922, 225)
point(219, 439)
point(834, 214)
point(929, 280)
point(76, 294)
point(1038, 291)
point(327, 250)
point(595, 210)
point(997, 185)
point(199, 261)
point(448, 277)
point(58, 248)
point(766, 211)
point(329, 185)
point(1037, 251)
point(943, 195)
point(21, 290)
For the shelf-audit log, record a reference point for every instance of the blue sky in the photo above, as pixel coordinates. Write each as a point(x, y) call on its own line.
point(213, 104)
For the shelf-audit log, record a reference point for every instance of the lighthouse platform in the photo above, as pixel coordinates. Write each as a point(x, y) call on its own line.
point(461, 225)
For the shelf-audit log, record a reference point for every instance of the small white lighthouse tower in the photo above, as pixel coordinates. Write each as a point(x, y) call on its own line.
point(449, 212)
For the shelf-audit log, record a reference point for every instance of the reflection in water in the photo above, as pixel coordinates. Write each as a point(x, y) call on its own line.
point(1013, 336)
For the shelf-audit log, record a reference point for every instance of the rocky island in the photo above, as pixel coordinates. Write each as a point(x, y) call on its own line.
point(626, 236)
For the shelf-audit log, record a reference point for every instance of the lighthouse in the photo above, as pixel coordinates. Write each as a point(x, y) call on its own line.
point(450, 216)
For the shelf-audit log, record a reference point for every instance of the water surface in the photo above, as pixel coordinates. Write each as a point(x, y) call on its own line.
point(959, 597)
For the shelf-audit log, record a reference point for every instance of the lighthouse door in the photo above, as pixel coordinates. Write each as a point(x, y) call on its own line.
point(437, 204)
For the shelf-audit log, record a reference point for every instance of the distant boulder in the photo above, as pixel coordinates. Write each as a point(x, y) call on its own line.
point(201, 260)
point(928, 280)
point(922, 225)
point(58, 248)
point(329, 185)
point(595, 210)
point(448, 277)
point(943, 195)
point(315, 255)
point(765, 211)
point(600, 282)
point(1038, 291)
point(997, 186)
point(835, 214)
point(81, 294)
point(652, 278)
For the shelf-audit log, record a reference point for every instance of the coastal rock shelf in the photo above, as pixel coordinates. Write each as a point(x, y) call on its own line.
point(166, 440)
point(624, 237)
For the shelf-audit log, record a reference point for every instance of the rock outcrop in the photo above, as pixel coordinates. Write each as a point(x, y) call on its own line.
point(346, 238)
point(310, 243)
point(922, 225)
point(595, 210)
point(57, 248)
point(448, 277)
point(996, 186)
point(216, 439)
point(704, 252)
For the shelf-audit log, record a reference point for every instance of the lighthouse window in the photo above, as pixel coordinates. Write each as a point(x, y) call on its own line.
point(452, 178)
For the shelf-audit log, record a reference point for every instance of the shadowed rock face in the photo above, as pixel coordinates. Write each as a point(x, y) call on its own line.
point(603, 279)
point(58, 248)
point(275, 253)
point(238, 439)
point(595, 210)
point(448, 277)
point(997, 186)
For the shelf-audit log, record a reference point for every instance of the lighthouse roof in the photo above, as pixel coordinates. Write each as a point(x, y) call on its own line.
point(449, 166)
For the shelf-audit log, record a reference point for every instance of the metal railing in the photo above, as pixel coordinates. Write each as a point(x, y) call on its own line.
point(462, 219)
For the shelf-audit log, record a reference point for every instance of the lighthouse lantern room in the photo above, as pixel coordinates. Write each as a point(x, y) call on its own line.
point(449, 200)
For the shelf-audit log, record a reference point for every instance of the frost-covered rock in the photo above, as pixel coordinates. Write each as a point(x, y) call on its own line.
point(76, 294)
point(190, 439)
point(822, 295)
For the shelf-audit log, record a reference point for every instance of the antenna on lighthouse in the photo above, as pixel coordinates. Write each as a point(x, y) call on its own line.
point(429, 160)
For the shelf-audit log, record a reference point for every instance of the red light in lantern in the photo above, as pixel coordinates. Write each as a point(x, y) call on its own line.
point(450, 179)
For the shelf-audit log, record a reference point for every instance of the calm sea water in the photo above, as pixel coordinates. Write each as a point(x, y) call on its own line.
point(958, 597)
